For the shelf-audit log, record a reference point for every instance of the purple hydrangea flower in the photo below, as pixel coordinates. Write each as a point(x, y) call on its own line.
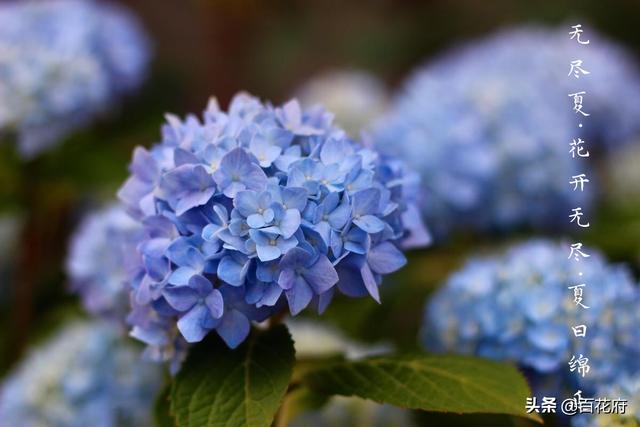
point(101, 251)
point(252, 211)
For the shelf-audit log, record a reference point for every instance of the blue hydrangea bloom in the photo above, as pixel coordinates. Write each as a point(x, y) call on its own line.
point(627, 388)
point(489, 125)
point(255, 210)
point(101, 251)
point(61, 63)
point(519, 307)
point(83, 376)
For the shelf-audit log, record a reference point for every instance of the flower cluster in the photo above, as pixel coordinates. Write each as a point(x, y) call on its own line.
point(627, 388)
point(489, 127)
point(83, 376)
point(101, 252)
point(61, 63)
point(255, 209)
point(519, 307)
point(356, 98)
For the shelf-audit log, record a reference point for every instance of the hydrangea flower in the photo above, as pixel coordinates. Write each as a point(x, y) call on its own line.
point(255, 210)
point(356, 97)
point(83, 376)
point(101, 251)
point(519, 307)
point(627, 388)
point(61, 63)
point(489, 125)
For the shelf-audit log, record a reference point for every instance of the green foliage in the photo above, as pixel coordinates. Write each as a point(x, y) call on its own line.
point(299, 401)
point(431, 383)
point(161, 414)
point(236, 388)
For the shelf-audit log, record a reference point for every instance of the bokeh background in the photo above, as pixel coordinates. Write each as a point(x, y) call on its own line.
point(217, 48)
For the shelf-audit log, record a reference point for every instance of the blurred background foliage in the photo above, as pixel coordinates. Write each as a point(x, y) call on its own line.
point(216, 48)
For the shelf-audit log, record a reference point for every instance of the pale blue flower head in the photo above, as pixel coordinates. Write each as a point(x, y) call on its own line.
point(85, 375)
point(519, 307)
point(101, 251)
point(489, 126)
point(255, 210)
point(63, 62)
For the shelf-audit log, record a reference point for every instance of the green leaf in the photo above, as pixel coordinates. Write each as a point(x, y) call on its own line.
point(242, 387)
point(432, 383)
point(161, 414)
point(299, 401)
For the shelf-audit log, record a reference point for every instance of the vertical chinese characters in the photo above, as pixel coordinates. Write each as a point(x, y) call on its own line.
point(577, 69)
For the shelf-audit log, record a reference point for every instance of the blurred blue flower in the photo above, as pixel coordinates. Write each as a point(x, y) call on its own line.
point(62, 62)
point(489, 125)
point(83, 376)
point(356, 97)
point(627, 388)
point(519, 307)
point(254, 210)
point(101, 250)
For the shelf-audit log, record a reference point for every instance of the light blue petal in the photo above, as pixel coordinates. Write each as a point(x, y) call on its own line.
point(234, 328)
point(182, 298)
point(321, 276)
point(246, 202)
point(369, 223)
point(287, 279)
point(366, 202)
point(385, 258)
point(215, 304)
point(256, 221)
point(268, 252)
point(370, 282)
point(190, 324)
point(182, 275)
point(294, 198)
point(290, 223)
point(299, 296)
point(233, 270)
